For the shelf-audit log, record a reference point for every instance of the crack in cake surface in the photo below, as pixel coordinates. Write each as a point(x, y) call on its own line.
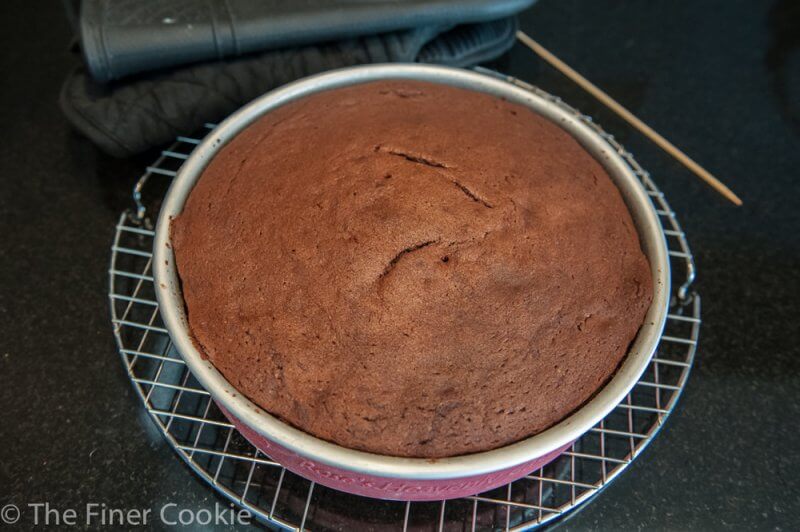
point(402, 253)
point(470, 194)
point(430, 162)
point(414, 158)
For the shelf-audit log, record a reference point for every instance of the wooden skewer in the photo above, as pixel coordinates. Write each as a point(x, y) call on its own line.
point(629, 117)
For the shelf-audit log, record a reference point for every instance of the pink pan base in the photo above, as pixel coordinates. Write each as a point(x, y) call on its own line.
point(401, 489)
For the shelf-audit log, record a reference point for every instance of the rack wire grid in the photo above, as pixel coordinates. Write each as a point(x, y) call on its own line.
point(214, 449)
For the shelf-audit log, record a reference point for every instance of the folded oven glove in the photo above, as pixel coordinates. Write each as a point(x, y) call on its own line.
point(123, 37)
point(148, 110)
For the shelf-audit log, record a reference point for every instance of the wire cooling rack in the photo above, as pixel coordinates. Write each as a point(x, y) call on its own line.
point(214, 449)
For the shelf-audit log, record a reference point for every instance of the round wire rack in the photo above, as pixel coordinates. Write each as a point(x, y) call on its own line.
point(214, 449)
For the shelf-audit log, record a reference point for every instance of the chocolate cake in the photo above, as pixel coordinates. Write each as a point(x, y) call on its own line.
point(411, 269)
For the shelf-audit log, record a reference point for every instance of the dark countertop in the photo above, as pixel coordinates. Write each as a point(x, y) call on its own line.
point(719, 78)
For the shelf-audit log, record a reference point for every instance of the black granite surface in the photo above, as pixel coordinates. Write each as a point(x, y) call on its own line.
point(720, 78)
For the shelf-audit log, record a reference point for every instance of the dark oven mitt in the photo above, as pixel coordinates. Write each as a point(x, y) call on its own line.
point(123, 37)
point(148, 110)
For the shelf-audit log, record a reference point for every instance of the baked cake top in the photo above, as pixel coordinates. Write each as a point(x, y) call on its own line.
point(411, 269)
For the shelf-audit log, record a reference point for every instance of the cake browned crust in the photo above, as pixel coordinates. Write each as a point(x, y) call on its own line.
point(411, 269)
